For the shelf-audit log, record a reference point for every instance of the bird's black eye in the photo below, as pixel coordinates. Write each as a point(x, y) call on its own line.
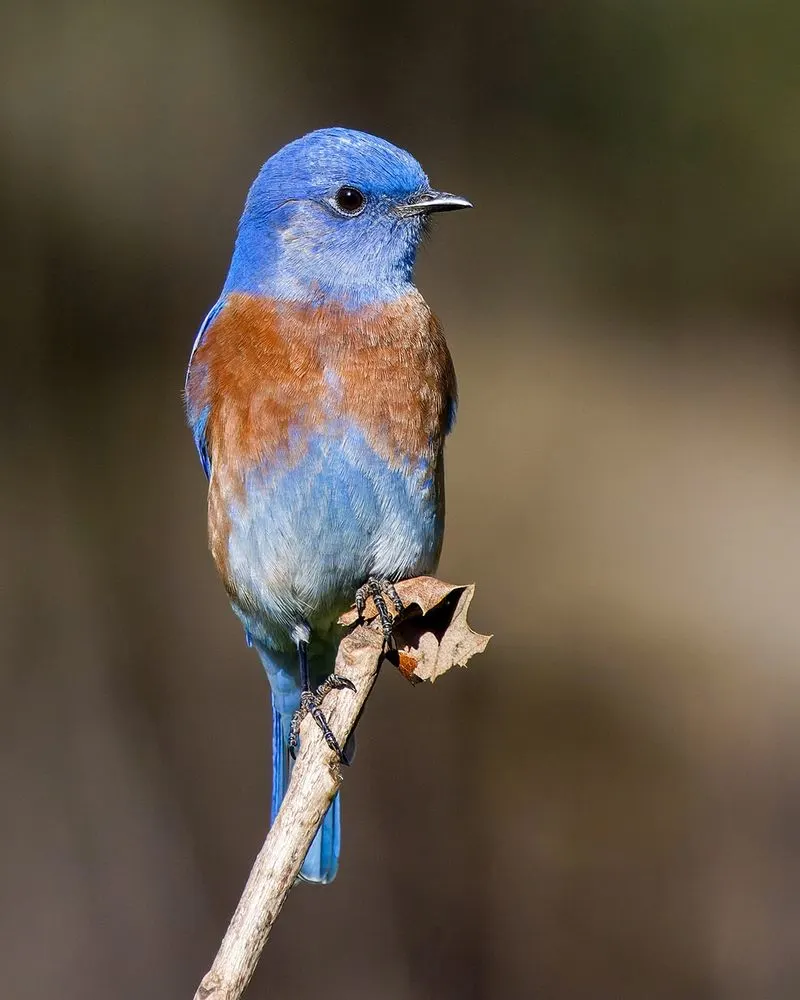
point(349, 200)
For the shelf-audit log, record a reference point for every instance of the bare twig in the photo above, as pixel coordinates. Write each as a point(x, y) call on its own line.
point(432, 636)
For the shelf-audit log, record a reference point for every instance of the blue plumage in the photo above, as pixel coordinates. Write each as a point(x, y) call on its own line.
point(198, 420)
point(356, 260)
point(327, 523)
point(322, 861)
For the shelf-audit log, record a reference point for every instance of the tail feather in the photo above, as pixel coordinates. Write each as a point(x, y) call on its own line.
point(322, 861)
point(281, 770)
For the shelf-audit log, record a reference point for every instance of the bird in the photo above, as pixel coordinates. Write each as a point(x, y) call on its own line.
point(319, 393)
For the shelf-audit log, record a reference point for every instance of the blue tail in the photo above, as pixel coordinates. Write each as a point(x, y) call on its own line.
point(322, 860)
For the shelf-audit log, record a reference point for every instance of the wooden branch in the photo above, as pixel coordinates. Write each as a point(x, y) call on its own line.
point(432, 635)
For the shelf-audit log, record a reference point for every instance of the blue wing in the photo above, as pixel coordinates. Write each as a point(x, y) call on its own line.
point(198, 420)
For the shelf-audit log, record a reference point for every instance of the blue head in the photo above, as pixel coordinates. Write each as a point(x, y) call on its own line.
point(336, 215)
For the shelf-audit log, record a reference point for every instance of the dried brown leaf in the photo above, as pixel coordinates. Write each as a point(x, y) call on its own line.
point(432, 634)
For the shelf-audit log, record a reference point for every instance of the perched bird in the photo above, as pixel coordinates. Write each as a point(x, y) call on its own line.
point(319, 393)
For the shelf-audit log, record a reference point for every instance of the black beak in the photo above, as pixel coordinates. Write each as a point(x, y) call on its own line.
point(432, 201)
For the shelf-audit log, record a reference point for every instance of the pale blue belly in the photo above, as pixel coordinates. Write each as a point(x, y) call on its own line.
point(304, 539)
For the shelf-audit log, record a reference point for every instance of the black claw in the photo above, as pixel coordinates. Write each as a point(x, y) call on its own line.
point(376, 589)
point(394, 597)
point(334, 682)
point(311, 704)
point(294, 733)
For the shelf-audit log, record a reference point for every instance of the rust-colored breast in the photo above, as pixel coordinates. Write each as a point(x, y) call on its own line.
point(270, 374)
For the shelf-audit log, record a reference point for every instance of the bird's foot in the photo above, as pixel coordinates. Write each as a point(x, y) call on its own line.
point(379, 590)
point(311, 704)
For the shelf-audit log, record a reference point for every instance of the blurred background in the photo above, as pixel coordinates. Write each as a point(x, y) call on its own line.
point(607, 804)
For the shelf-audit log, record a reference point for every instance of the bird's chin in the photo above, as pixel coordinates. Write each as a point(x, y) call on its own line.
point(425, 226)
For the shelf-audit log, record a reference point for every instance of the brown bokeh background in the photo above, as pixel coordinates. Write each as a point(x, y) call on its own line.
point(606, 805)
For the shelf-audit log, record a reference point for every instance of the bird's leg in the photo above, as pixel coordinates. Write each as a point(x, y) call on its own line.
point(311, 704)
point(379, 590)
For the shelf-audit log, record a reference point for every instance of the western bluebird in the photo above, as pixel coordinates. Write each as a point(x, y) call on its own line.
point(319, 392)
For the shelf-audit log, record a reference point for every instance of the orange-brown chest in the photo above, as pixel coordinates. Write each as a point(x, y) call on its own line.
point(271, 375)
